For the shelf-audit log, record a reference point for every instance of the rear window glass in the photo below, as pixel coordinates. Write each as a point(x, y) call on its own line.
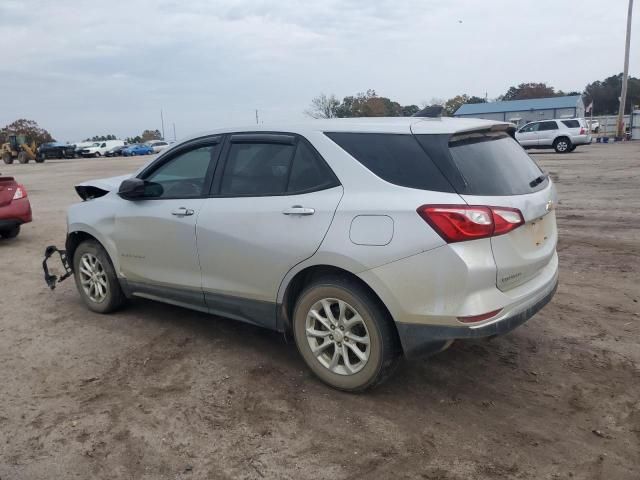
point(571, 123)
point(494, 164)
point(398, 159)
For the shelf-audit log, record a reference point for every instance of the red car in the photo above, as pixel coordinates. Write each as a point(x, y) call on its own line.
point(15, 208)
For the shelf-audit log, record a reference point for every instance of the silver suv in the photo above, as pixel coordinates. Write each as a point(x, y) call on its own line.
point(562, 135)
point(366, 240)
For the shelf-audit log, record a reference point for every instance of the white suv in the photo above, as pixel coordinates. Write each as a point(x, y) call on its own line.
point(365, 239)
point(562, 135)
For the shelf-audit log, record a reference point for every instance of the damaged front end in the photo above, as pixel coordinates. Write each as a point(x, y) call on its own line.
point(53, 280)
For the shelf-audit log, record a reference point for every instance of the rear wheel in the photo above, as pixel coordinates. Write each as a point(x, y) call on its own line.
point(7, 158)
point(23, 157)
point(562, 145)
point(96, 278)
point(97, 154)
point(344, 335)
point(10, 232)
point(40, 158)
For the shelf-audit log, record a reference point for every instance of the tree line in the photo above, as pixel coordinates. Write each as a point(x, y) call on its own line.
point(603, 93)
point(35, 133)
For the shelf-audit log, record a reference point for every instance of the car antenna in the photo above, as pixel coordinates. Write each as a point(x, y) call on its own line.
point(432, 111)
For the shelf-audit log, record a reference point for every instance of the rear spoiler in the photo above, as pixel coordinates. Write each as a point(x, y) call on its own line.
point(508, 128)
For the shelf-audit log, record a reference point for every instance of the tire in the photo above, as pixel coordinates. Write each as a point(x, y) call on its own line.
point(97, 155)
point(11, 232)
point(562, 145)
point(96, 278)
point(7, 158)
point(351, 373)
point(40, 159)
point(23, 157)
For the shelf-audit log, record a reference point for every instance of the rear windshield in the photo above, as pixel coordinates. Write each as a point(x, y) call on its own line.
point(494, 164)
point(396, 158)
point(571, 123)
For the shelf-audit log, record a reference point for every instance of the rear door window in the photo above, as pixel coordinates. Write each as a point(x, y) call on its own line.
point(550, 125)
point(309, 172)
point(256, 169)
point(396, 158)
point(494, 164)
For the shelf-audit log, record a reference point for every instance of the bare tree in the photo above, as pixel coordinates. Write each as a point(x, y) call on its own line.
point(323, 106)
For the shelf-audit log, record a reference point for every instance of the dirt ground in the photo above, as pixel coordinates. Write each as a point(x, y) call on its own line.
point(158, 392)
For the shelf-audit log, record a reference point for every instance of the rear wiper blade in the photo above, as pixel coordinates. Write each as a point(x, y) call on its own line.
point(538, 180)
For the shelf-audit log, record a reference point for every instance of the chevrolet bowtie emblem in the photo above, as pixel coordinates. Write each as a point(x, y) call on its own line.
point(549, 206)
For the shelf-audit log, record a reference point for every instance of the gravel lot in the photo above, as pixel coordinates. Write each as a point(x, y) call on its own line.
point(158, 392)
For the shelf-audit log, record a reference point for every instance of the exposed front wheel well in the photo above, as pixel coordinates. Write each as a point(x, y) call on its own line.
point(310, 275)
point(73, 240)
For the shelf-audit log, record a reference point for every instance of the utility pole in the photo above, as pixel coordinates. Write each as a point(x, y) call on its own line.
point(162, 122)
point(625, 74)
point(174, 132)
point(257, 117)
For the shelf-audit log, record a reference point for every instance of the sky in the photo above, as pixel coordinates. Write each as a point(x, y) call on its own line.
point(95, 67)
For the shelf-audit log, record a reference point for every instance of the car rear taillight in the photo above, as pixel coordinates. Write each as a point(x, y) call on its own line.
point(19, 193)
point(459, 223)
point(581, 130)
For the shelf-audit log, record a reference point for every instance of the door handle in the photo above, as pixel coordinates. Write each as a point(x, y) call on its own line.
point(182, 212)
point(298, 210)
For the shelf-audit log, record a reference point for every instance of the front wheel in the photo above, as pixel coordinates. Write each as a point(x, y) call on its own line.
point(96, 278)
point(7, 158)
point(344, 335)
point(562, 145)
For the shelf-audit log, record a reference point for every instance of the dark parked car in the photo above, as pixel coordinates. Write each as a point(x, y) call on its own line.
point(115, 151)
point(55, 150)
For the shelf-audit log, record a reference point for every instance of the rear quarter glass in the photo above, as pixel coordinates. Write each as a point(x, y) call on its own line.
point(485, 164)
point(395, 158)
point(571, 123)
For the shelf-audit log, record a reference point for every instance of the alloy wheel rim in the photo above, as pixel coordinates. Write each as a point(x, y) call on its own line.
point(93, 278)
point(562, 146)
point(338, 336)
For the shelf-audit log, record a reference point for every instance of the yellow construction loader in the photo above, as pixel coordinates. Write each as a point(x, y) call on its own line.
point(18, 148)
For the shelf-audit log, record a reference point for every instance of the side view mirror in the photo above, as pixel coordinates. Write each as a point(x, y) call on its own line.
point(136, 188)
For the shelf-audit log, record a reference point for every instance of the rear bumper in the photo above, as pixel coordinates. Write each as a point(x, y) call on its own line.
point(16, 213)
point(417, 339)
point(581, 139)
point(427, 293)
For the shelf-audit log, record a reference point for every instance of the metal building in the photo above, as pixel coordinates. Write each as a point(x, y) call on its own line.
point(524, 111)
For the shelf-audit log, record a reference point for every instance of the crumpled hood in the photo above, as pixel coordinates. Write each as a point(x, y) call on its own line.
point(108, 184)
point(100, 187)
